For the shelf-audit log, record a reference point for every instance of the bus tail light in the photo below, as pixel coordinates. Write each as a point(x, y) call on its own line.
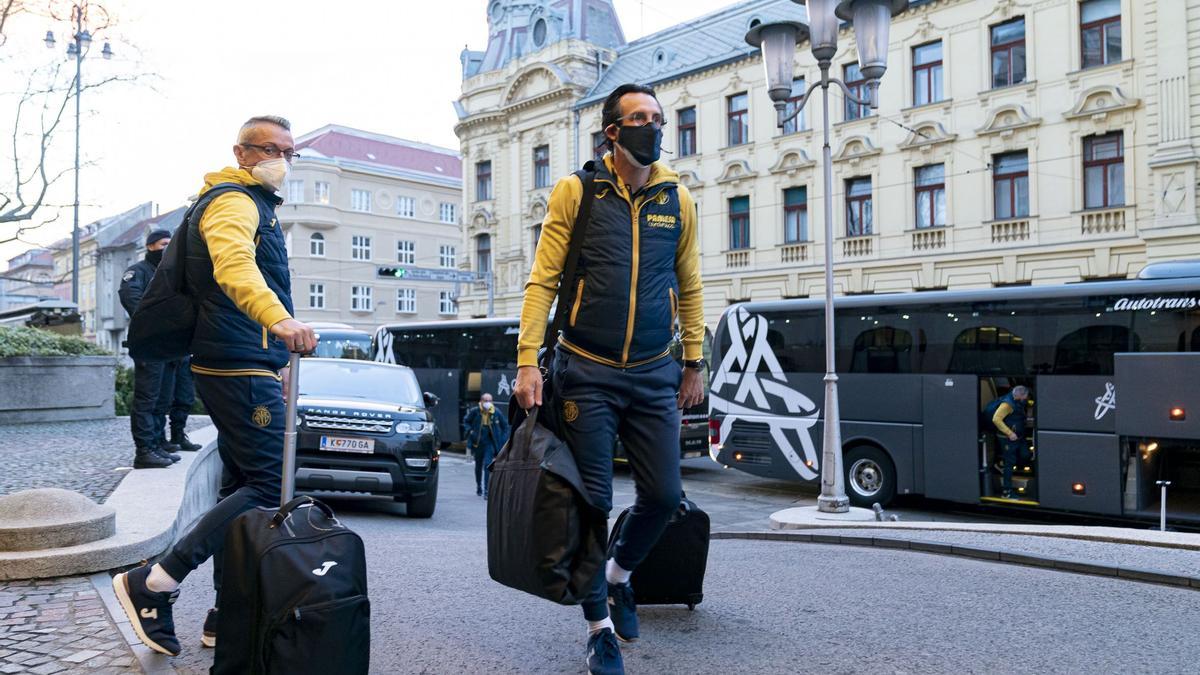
point(1079, 489)
point(714, 432)
point(1178, 414)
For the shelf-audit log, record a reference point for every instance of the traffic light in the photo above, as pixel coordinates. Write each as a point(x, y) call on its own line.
point(393, 272)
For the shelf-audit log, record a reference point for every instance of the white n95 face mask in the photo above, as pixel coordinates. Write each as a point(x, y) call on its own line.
point(271, 173)
point(487, 406)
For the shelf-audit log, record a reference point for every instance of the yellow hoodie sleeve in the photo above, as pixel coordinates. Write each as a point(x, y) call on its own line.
point(548, 263)
point(228, 228)
point(687, 271)
point(998, 419)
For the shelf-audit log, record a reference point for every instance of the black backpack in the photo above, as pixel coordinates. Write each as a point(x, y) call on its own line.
point(164, 322)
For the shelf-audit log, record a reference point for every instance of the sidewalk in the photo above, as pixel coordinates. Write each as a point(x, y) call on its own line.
point(61, 625)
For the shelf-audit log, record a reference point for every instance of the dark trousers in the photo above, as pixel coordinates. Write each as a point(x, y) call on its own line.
point(248, 412)
point(176, 395)
point(147, 384)
point(1011, 452)
point(483, 454)
point(600, 403)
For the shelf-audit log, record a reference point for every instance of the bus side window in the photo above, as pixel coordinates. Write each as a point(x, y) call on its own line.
point(1089, 350)
point(882, 350)
point(988, 350)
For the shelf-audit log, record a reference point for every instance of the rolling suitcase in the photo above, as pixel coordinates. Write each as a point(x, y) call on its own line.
point(294, 591)
point(673, 572)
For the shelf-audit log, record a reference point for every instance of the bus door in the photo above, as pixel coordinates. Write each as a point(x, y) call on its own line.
point(446, 384)
point(950, 459)
point(1078, 461)
point(991, 455)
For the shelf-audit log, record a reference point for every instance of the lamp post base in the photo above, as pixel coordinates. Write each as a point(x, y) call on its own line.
point(833, 504)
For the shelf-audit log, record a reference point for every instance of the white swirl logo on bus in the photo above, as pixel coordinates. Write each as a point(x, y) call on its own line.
point(749, 352)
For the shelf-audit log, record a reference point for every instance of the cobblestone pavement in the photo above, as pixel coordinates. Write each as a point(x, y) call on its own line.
point(89, 457)
point(59, 626)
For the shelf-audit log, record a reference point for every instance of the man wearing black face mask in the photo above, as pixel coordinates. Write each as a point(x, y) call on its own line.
point(147, 377)
point(638, 275)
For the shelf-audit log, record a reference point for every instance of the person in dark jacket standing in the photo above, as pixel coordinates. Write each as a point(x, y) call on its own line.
point(486, 432)
point(150, 451)
point(238, 269)
point(1007, 414)
point(638, 275)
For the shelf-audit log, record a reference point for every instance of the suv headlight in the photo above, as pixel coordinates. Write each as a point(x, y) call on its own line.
point(407, 427)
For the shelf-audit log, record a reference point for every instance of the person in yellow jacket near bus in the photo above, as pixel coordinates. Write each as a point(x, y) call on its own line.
point(638, 273)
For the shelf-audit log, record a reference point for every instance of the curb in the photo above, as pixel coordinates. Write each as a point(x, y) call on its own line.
point(152, 506)
point(976, 553)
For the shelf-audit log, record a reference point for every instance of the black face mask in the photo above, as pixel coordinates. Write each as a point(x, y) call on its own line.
point(644, 142)
point(154, 257)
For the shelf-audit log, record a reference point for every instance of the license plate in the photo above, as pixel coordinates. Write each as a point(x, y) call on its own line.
point(337, 444)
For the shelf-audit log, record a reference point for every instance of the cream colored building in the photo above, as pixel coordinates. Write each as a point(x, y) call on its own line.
point(358, 202)
point(974, 173)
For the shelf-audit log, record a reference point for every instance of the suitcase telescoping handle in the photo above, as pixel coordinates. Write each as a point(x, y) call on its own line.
point(289, 431)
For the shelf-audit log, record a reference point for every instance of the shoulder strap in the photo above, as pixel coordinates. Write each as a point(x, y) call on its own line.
point(196, 212)
point(587, 176)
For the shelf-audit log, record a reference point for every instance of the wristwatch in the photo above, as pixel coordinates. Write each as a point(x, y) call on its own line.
point(696, 364)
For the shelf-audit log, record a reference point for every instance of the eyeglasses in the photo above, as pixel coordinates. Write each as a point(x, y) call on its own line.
point(272, 152)
point(641, 119)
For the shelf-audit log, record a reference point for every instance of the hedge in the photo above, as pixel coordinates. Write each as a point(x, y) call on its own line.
point(24, 341)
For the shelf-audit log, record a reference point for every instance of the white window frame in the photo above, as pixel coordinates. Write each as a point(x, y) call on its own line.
point(360, 247)
point(362, 299)
point(295, 192)
point(447, 256)
point(406, 301)
point(406, 252)
point(316, 296)
point(448, 212)
point(316, 245)
point(360, 200)
point(446, 304)
point(321, 192)
point(410, 203)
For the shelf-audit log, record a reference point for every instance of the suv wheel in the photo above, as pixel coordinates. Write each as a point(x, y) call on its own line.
point(423, 506)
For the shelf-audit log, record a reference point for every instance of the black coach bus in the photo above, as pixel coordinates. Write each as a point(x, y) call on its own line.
point(461, 360)
point(1112, 369)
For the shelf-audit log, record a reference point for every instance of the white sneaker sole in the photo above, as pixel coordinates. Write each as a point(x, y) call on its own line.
point(208, 642)
point(122, 591)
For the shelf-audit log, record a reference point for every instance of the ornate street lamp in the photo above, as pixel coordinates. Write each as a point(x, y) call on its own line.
point(872, 19)
point(80, 41)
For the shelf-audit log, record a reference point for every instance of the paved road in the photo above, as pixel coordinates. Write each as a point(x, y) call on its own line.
point(436, 611)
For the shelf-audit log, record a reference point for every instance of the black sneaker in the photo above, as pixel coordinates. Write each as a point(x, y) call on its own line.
point(149, 612)
point(147, 458)
point(623, 610)
point(604, 654)
point(209, 638)
point(179, 438)
point(165, 452)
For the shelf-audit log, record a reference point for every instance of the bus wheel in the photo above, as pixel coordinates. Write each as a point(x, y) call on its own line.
point(870, 476)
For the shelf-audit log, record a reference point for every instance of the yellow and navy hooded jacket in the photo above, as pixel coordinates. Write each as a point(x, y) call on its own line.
point(237, 267)
point(638, 272)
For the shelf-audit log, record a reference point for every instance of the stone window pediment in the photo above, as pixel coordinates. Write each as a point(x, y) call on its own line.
point(481, 219)
point(791, 161)
point(1101, 100)
point(536, 80)
point(855, 148)
point(735, 171)
point(690, 180)
point(537, 210)
point(1008, 118)
point(927, 134)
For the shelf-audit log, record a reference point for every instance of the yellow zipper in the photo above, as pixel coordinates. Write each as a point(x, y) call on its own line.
point(674, 308)
point(633, 277)
point(264, 338)
point(578, 301)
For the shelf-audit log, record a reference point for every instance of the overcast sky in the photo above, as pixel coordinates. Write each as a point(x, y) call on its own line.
point(389, 66)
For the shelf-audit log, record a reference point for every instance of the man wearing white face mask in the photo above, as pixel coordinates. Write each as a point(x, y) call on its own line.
point(237, 269)
point(485, 432)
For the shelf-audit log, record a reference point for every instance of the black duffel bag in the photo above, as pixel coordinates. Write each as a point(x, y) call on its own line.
point(543, 535)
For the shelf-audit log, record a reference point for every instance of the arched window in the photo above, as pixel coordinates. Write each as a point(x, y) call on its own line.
point(483, 253)
point(882, 350)
point(988, 350)
point(316, 245)
point(1089, 350)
